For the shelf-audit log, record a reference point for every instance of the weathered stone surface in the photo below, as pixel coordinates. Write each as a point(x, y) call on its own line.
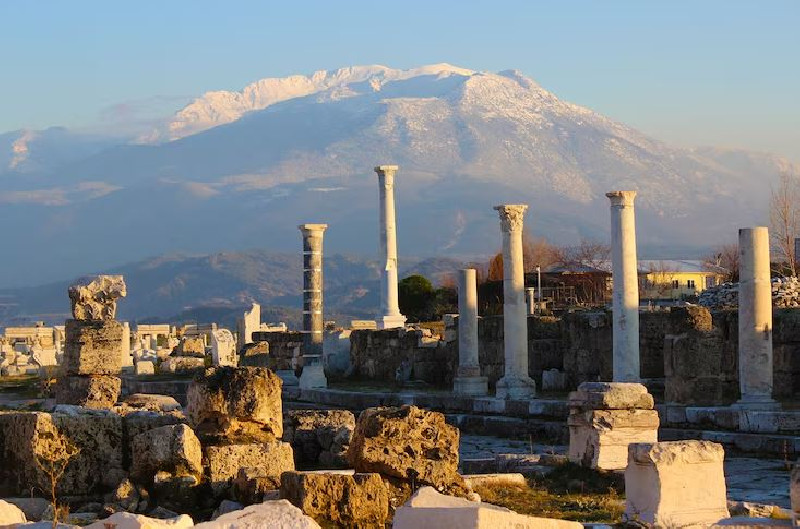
point(174, 449)
point(140, 421)
point(407, 440)
point(360, 500)
point(236, 404)
point(225, 507)
point(182, 364)
point(191, 347)
point(611, 396)
point(98, 435)
point(90, 391)
point(428, 508)
point(256, 354)
point(10, 514)
point(223, 348)
point(250, 486)
point(144, 367)
point(320, 438)
point(599, 439)
point(267, 459)
point(278, 514)
point(675, 484)
point(151, 402)
point(93, 347)
point(95, 298)
point(125, 497)
point(126, 520)
point(33, 508)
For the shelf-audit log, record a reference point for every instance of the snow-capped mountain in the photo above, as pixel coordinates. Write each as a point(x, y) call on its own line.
point(237, 170)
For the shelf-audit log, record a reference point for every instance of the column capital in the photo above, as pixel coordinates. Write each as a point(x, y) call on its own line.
point(386, 170)
point(511, 216)
point(621, 198)
point(309, 229)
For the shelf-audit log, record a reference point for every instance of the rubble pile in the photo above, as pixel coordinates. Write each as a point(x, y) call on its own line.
point(785, 294)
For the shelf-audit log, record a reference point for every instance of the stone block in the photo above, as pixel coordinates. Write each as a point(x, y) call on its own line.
point(143, 367)
point(256, 354)
point(182, 364)
point(267, 459)
point(675, 484)
point(427, 508)
point(407, 440)
point(127, 520)
point(611, 396)
point(93, 347)
point(90, 391)
point(95, 298)
point(191, 347)
point(359, 500)
point(553, 380)
point(10, 514)
point(320, 438)
point(279, 514)
point(174, 449)
point(236, 403)
point(599, 439)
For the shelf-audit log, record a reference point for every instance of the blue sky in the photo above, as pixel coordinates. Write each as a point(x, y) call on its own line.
point(696, 72)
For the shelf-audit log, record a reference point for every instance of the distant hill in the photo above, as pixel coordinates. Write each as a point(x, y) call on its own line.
point(218, 287)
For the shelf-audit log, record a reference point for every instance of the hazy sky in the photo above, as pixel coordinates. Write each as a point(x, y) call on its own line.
point(693, 72)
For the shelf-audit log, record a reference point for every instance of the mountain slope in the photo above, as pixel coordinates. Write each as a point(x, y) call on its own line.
point(248, 167)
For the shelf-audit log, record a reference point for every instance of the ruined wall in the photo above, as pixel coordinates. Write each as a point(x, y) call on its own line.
point(283, 345)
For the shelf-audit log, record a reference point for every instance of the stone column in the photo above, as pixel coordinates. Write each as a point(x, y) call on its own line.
point(515, 384)
point(755, 319)
point(625, 293)
point(313, 375)
point(468, 379)
point(125, 353)
point(530, 292)
point(390, 316)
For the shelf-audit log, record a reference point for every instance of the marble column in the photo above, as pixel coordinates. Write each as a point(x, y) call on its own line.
point(313, 375)
point(755, 319)
point(515, 384)
point(468, 380)
point(390, 316)
point(625, 292)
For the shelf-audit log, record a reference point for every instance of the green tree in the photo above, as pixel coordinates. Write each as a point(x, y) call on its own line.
point(415, 295)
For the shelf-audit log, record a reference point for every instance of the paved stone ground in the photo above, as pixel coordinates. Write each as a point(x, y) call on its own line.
point(763, 481)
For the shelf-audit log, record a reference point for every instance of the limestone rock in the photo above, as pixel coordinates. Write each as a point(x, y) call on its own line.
point(320, 438)
point(611, 396)
point(90, 391)
point(95, 298)
point(278, 514)
point(233, 404)
point(125, 497)
point(151, 402)
point(268, 460)
point(33, 508)
point(250, 486)
point(126, 520)
point(223, 348)
point(675, 484)
point(256, 354)
point(407, 442)
point(360, 500)
point(191, 347)
point(174, 449)
point(182, 364)
point(599, 439)
point(428, 508)
point(10, 514)
point(93, 347)
point(225, 507)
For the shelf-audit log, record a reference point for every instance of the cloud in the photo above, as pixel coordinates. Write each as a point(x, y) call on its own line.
point(460, 225)
point(59, 196)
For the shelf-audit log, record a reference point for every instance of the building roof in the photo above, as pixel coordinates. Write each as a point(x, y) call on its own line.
point(687, 266)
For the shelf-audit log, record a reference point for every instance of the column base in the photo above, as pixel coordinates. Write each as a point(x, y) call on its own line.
point(288, 377)
point(476, 386)
point(313, 376)
point(516, 387)
point(391, 322)
point(756, 404)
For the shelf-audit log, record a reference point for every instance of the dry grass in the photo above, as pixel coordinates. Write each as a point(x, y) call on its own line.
point(569, 493)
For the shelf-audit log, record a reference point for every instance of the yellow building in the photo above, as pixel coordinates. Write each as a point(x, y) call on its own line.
point(676, 279)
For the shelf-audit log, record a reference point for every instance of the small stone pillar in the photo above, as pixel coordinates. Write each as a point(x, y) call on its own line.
point(516, 383)
point(468, 380)
point(125, 353)
point(313, 375)
point(223, 348)
point(530, 294)
point(390, 316)
point(675, 484)
point(250, 323)
point(625, 292)
point(755, 320)
point(604, 418)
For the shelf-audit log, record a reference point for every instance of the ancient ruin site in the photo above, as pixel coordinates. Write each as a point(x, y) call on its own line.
point(552, 284)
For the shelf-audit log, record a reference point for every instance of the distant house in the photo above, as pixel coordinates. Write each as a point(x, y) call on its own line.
point(583, 284)
point(676, 279)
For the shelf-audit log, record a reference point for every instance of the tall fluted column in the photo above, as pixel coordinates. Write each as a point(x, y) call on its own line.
point(468, 380)
point(390, 316)
point(755, 319)
point(625, 293)
point(313, 375)
point(515, 384)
